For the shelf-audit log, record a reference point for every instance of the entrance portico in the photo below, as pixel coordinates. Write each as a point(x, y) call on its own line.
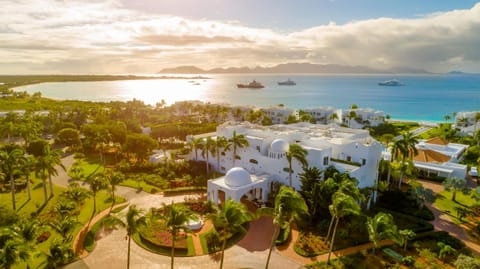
point(238, 183)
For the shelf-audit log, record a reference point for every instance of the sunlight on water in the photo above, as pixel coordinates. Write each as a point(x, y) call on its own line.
point(153, 91)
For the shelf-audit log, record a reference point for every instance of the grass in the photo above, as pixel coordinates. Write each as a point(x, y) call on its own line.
point(27, 208)
point(444, 202)
point(165, 250)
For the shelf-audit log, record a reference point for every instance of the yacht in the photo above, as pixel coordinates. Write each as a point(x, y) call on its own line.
point(288, 82)
point(392, 82)
point(252, 85)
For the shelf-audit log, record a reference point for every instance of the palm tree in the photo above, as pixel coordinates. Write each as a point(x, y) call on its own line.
point(229, 220)
point(97, 183)
point(59, 253)
point(11, 160)
point(333, 117)
point(405, 149)
point(13, 251)
point(208, 147)
point(194, 145)
point(237, 141)
point(46, 167)
point(114, 178)
point(289, 207)
point(298, 153)
point(65, 227)
point(447, 118)
point(134, 218)
point(380, 227)
point(406, 235)
point(454, 184)
point(221, 143)
point(342, 205)
point(176, 217)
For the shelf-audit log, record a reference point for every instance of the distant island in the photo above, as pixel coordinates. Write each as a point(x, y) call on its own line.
point(296, 68)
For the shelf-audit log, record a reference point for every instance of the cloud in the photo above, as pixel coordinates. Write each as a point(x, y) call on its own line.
point(88, 36)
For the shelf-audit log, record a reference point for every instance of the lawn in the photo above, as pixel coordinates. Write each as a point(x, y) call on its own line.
point(35, 207)
point(443, 201)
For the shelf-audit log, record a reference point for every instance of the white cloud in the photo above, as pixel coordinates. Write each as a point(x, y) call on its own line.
point(77, 36)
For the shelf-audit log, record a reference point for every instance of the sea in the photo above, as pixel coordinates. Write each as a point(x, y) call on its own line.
point(422, 97)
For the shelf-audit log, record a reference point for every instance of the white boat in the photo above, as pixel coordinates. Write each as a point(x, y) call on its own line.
point(288, 82)
point(392, 82)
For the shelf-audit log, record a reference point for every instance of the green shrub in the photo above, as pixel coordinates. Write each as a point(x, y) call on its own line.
point(408, 260)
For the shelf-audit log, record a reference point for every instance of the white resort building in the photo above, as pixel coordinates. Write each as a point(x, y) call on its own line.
point(263, 162)
point(465, 122)
point(361, 117)
point(279, 114)
point(440, 158)
point(323, 115)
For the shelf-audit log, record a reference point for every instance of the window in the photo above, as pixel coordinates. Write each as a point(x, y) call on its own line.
point(286, 169)
point(223, 153)
point(258, 148)
point(238, 157)
point(325, 160)
point(253, 161)
point(364, 161)
point(349, 158)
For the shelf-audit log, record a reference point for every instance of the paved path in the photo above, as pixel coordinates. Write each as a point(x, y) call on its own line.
point(443, 222)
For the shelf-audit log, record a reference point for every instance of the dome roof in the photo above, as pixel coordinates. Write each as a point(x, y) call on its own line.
point(237, 177)
point(279, 145)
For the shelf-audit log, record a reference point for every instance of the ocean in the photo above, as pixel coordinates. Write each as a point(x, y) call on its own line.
point(422, 98)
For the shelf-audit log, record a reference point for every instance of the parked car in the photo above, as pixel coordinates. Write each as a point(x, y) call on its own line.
point(473, 172)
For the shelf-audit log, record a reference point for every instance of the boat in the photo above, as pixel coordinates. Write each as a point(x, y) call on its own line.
point(252, 85)
point(392, 82)
point(288, 82)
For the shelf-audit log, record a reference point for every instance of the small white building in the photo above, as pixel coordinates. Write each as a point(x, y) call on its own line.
point(362, 117)
point(323, 115)
point(279, 114)
point(438, 157)
point(348, 150)
point(465, 122)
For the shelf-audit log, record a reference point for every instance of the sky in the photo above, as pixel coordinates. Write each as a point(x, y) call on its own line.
point(145, 36)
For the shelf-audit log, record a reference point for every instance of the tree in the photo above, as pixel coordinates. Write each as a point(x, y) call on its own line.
point(228, 220)
point(447, 118)
point(404, 236)
point(298, 153)
point(114, 178)
point(380, 227)
point(404, 149)
point(342, 205)
point(69, 137)
point(140, 145)
point(208, 147)
point(466, 262)
point(310, 189)
point(237, 141)
point(194, 144)
point(176, 217)
point(289, 207)
point(333, 117)
point(59, 253)
point(220, 143)
point(65, 227)
point(454, 184)
point(97, 183)
point(27, 167)
point(13, 251)
point(135, 217)
point(11, 160)
point(46, 167)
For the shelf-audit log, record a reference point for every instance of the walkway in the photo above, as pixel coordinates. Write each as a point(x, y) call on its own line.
point(443, 221)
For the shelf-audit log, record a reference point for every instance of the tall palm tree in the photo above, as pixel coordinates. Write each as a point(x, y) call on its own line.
point(289, 207)
point(11, 160)
point(380, 227)
point(229, 220)
point(176, 217)
point(46, 167)
point(27, 167)
point(114, 178)
point(221, 143)
point(237, 141)
point(208, 147)
point(342, 205)
point(134, 218)
point(298, 153)
point(97, 183)
point(195, 145)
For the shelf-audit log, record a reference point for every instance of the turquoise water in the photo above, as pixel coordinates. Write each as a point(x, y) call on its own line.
point(425, 98)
